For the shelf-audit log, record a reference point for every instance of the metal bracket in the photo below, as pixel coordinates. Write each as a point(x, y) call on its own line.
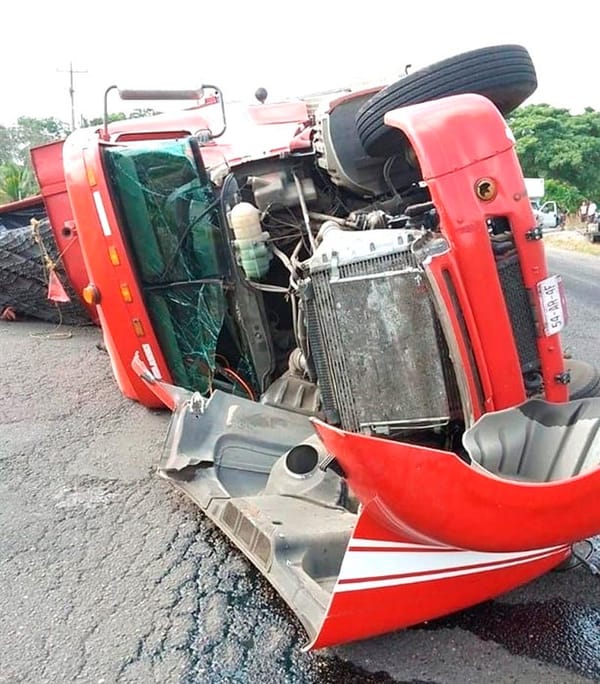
point(534, 234)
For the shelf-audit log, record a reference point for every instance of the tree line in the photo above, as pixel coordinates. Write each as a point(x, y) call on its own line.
point(561, 147)
point(552, 143)
point(17, 180)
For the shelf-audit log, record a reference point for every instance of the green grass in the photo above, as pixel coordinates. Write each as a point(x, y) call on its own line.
point(573, 243)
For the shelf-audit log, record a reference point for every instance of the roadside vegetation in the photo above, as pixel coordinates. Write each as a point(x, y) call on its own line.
point(17, 180)
point(572, 240)
point(561, 147)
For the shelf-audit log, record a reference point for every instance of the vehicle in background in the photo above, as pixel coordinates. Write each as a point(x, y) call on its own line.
point(33, 278)
point(548, 215)
point(592, 228)
point(536, 189)
point(18, 214)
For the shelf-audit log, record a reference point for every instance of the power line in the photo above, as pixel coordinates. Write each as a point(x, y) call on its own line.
point(72, 71)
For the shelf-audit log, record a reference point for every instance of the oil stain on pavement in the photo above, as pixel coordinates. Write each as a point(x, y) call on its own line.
point(557, 632)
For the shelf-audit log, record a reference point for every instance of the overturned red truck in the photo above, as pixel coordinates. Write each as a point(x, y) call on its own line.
point(345, 302)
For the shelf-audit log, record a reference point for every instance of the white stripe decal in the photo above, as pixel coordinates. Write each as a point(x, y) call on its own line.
point(417, 579)
point(376, 543)
point(102, 213)
point(151, 361)
point(372, 543)
point(373, 564)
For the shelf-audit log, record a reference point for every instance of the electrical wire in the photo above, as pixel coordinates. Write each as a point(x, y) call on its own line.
point(265, 287)
point(304, 208)
point(231, 374)
point(295, 319)
point(386, 175)
point(49, 266)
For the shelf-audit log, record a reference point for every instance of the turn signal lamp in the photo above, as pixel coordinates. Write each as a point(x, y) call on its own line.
point(91, 176)
point(91, 294)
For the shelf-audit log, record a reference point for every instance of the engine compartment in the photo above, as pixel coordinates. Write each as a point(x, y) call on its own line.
point(302, 280)
point(354, 333)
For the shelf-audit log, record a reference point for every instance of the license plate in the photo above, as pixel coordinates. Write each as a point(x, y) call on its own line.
point(553, 306)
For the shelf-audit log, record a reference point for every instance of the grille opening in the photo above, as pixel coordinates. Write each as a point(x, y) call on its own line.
point(518, 299)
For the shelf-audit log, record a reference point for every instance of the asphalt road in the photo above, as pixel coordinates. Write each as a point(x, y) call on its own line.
point(109, 575)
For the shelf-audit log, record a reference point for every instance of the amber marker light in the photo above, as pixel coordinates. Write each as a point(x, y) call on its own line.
point(113, 255)
point(138, 328)
point(126, 293)
point(91, 294)
point(91, 176)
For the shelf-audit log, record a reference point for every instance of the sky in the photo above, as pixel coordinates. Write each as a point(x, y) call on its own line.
point(291, 48)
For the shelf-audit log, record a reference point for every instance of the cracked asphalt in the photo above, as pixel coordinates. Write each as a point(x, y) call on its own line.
point(107, 574)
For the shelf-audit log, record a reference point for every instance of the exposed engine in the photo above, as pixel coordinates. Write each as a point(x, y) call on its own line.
point(305, 278)
point(354, 334)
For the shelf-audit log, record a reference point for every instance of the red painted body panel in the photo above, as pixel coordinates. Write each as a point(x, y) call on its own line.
point(27, 203)
point(253, 131)
point(435, 497)
point(93, 209)
point(48, 166)
point(387, 581)
point(452, 160)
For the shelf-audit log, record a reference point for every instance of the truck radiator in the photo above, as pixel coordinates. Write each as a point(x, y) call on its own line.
point(376, 345)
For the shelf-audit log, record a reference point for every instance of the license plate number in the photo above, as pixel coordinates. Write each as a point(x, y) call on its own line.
point(552, 304)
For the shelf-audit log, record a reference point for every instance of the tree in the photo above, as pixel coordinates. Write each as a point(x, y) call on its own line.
point(99, 120)
point(566, 196)
point(16, 182)
point(30, 132)
point(7, 145)
point(556, 145)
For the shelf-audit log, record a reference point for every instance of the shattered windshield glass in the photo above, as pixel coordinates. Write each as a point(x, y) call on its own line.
point(169, 218)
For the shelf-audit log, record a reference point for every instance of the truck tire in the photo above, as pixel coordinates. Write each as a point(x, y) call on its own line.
point(585, 379)
point(23, 278)
point(503, 73)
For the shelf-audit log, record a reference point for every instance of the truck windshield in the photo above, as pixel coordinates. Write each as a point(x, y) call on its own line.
point(168, 216)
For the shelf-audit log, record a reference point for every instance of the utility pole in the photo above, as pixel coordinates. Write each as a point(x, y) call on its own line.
point(72, 71)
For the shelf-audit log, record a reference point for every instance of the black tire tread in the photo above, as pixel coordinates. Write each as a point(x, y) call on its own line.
point(23, 277)
point(503, 73)
point(585, 380)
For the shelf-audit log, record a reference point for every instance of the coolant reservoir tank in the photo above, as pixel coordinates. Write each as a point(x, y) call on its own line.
point(250, 240)
point(245, 221)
